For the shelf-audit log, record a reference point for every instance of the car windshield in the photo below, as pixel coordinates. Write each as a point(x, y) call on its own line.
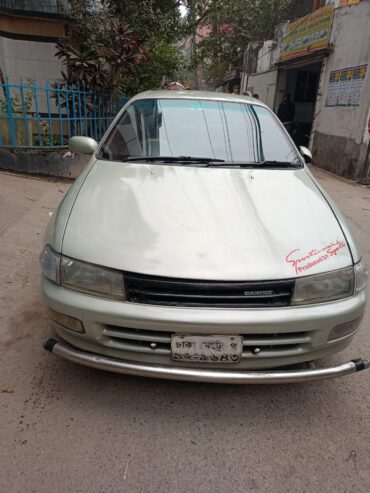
point(230, 131)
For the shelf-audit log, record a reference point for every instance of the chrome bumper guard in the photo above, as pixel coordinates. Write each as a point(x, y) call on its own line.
point(202, 375)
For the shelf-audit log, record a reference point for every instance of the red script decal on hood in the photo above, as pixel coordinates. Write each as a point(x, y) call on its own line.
point(300, 262)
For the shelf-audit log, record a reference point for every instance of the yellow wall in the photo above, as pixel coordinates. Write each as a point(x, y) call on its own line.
point(32, 26)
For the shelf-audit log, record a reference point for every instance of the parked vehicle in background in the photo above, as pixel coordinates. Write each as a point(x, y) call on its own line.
point(197, 245)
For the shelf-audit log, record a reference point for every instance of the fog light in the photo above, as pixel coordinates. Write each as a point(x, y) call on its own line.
point(66, 321)
point(344, 330)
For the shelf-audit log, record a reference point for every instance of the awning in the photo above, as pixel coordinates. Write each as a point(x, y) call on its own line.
point(313, 57)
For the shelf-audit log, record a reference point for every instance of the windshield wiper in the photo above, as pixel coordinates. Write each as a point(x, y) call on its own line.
point(263, 164)
point(174, 159)
point(279, 164)
point(210, 161)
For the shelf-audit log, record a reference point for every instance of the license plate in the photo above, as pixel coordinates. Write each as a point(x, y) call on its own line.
point(206, 349)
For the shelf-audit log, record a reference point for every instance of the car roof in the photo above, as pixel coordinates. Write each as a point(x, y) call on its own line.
point(208, 95)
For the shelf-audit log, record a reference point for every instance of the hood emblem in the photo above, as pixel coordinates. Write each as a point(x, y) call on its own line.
point(258, 293)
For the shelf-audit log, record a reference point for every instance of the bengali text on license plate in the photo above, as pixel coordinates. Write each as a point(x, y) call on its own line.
point(206, 349)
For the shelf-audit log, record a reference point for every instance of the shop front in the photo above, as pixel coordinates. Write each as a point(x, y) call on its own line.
point(289, 73)
point(304, 50)
point(320, 65)
point(299, 83)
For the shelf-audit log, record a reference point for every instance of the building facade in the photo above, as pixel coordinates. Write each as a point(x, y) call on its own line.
point(29, 30)
point(321, 60)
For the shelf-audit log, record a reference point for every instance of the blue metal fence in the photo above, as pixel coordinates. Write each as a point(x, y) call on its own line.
point(47, 115)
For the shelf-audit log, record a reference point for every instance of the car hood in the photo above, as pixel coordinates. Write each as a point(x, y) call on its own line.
point(204, 223)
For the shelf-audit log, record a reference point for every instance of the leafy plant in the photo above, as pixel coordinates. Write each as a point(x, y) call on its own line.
point(16, 101)
point(164, 61)
point(120, 46)
point(152, 19)
point(83, 67)
point(45, 135)
point(124, 52)
point(102, 67)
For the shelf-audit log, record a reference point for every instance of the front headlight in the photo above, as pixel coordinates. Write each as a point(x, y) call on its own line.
point(360, 275)
point(50, 265)
point(82, 276)
point(320, 288)
point(91, 279)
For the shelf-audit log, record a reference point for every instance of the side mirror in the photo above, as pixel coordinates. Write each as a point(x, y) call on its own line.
point(83, 145)
point(306, 153)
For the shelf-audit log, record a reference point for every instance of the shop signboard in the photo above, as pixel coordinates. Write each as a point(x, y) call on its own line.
point(308, 34)
point(344, 3)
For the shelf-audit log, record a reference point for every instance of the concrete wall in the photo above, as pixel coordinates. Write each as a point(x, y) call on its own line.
point(47, 163)
point(338, 141)
point(265, 56)
point(249, 63)
point(264, 85)
point(29, 59)
point(27, 46)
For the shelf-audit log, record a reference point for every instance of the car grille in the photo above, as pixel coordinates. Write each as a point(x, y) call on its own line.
point(181, 292)
point(159, 342)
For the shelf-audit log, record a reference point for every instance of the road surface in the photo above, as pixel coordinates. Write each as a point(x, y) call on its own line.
point(66, 428)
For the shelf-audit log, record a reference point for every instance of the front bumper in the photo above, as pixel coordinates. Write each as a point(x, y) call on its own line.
point(125, 331)
point(204, 375)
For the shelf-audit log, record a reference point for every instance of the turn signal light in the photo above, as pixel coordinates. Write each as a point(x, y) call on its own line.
point(344, 330)
point(66, 321)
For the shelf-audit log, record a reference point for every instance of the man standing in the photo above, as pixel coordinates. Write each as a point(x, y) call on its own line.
point(286, 112)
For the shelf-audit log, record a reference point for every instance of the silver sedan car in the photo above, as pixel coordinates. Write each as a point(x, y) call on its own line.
point(196, 245)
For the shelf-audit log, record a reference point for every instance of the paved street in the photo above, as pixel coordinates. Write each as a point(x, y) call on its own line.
point(68, 428)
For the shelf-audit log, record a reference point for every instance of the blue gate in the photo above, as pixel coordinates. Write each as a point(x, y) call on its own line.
point(47, 115)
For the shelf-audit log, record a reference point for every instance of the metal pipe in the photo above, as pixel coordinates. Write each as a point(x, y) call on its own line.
point(202, 375)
